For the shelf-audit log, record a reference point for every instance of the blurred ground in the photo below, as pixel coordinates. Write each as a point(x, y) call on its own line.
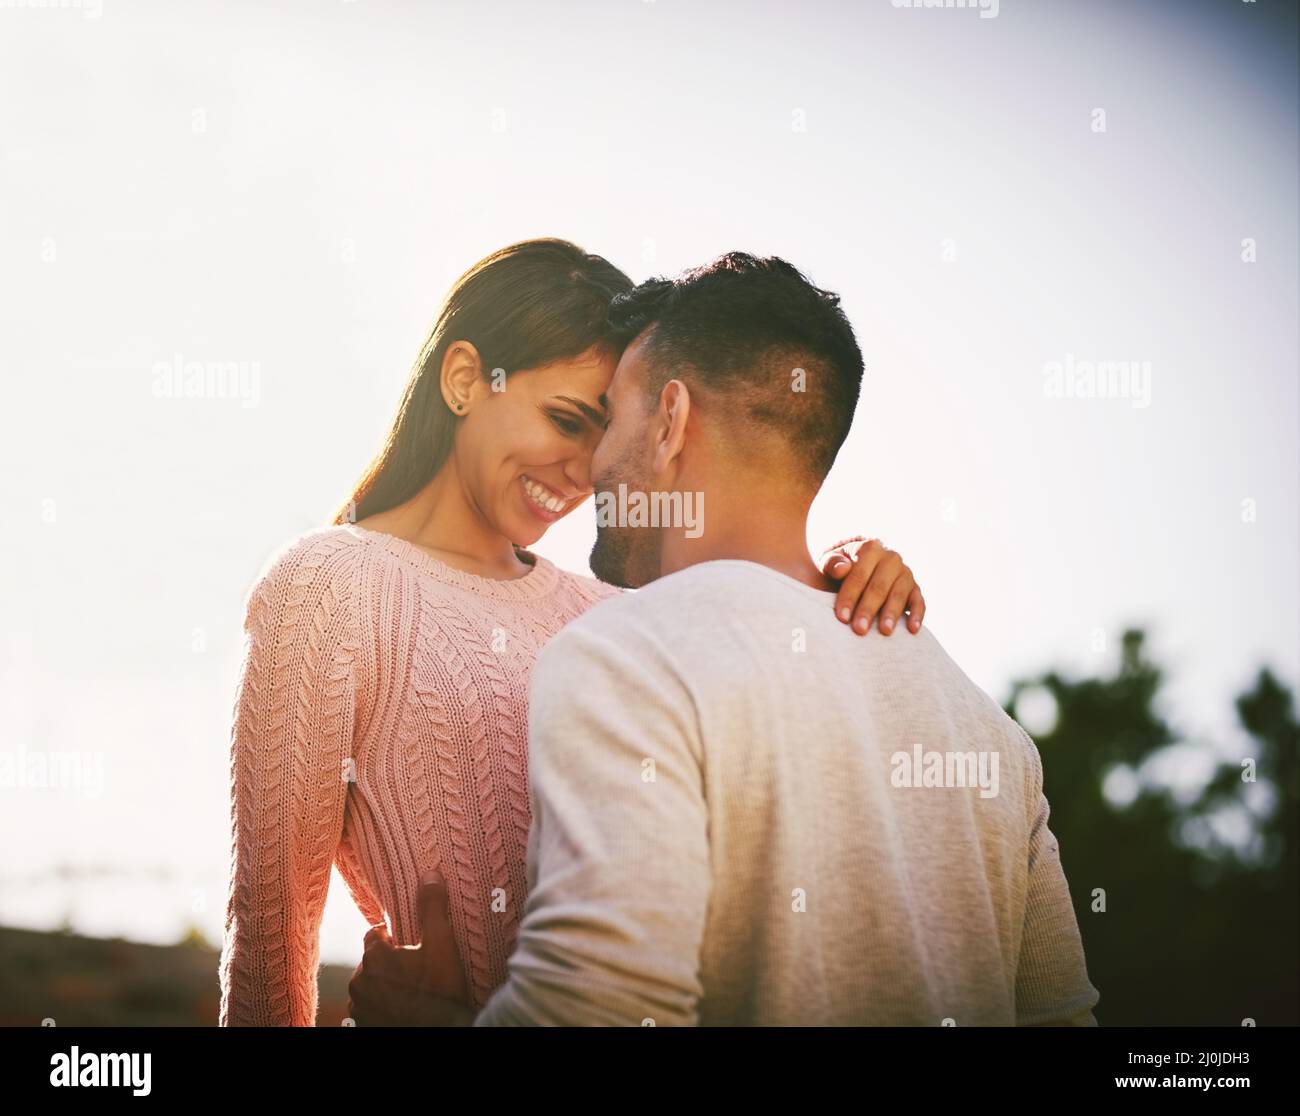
point(103, 982)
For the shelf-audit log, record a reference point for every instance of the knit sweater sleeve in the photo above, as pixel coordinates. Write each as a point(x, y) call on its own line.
point(1052, 986)
point(619, 852)
point(290, 765)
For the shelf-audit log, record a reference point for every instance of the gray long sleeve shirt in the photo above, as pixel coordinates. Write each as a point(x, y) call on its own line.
point(743, 813)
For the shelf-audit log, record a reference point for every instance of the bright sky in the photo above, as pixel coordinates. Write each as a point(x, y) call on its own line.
point(293, 187)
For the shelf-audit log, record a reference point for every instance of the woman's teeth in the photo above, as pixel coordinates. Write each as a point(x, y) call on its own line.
point(542, 496)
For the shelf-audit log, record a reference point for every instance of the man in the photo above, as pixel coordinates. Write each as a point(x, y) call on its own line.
point(741, 813)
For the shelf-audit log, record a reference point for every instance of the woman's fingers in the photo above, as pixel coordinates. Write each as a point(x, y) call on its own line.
point(877, 592)
point(915, 610)
point(857, 578)
point(876, 583)
point(897, 600)
point(837, 565)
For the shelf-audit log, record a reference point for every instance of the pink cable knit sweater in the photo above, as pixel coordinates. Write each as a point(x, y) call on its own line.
point(380, 726)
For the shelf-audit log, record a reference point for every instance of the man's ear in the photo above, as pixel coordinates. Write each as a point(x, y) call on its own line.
point(460, 377)
point(674, 410)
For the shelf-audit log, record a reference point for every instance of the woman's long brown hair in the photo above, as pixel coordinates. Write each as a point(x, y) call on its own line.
point(522, 307)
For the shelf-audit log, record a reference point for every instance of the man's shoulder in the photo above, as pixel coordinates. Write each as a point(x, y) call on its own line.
point(950, 685)
point(653, 627)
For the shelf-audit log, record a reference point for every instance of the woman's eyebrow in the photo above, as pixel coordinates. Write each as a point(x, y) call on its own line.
point(586, 408)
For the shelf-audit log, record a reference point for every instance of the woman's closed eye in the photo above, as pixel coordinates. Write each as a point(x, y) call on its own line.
point(567, 424)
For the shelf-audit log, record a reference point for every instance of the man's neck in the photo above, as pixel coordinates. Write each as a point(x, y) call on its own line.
point(773, 535)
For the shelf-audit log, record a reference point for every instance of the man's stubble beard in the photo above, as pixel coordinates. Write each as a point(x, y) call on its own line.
point(625, 556)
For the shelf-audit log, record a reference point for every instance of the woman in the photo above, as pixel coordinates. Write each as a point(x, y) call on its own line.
point(382, 710)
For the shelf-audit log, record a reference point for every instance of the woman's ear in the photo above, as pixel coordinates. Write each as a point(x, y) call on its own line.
point(461, 376)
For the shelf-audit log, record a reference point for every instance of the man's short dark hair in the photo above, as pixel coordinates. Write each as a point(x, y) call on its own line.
point(741, 328)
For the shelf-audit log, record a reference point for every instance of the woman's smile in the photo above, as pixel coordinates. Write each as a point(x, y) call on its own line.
point(543, 501)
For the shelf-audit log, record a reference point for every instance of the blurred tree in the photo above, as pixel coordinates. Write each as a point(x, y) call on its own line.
point(194, 938)
point(1200, 890)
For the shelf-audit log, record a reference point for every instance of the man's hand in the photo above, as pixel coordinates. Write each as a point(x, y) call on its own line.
point(413, 986)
